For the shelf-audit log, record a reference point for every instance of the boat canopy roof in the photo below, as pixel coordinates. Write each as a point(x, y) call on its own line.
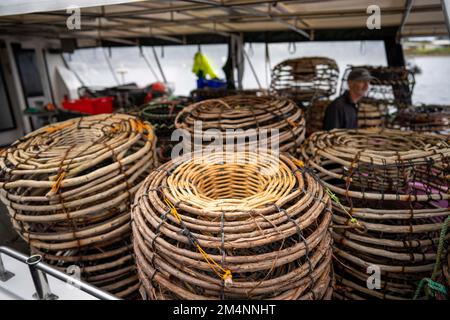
point(210, 21)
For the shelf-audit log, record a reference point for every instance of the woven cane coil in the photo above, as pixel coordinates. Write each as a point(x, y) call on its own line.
point(424, 118)
point(207, 93)
point(371, 113)
point(391, 200)
point(232, 226)
point(68, 188)
point(161, 115)
point(315, 116)
point(306, 78)
point(250, 118)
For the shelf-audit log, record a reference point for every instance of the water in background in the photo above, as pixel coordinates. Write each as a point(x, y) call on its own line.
point(176, 62)
point(433, 84)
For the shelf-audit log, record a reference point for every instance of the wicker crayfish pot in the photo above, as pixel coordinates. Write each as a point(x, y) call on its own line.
point(371, 113)
point(305, 79)
point(68, 188)
point(161, 115)
point(424, 118)
point(232, 226)
point(244, 121)
point(390, 193)
point(206, 93)
point(315, 115)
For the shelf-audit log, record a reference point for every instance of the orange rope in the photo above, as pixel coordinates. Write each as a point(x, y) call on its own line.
point(52, 129)
point(173, 210)
point(58, 181)
point(293, 123)
point(140, 127)
point(298, 163)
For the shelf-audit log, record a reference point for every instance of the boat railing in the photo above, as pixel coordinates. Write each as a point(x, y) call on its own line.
point(39, 271)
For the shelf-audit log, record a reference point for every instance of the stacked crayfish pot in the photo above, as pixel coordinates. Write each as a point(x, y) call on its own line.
point(424, 118)
point(390, 199)
point(233, 226)
point(68, 188)
point(315, 115)
point(215, 93)
point(244, 121)
point(305, 79)
point(161, 114)
point(371, 113)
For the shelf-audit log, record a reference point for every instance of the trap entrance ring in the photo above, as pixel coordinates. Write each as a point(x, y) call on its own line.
point(271, 243)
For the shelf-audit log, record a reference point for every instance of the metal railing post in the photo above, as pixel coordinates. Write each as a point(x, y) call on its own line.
point(5, 275)
point(36, 263)
point(446, 11)
point(40, 280)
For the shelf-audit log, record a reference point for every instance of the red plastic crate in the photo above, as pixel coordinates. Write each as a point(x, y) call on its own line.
point(90, 105)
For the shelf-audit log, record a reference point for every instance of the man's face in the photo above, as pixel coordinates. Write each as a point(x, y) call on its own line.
point(359, 87)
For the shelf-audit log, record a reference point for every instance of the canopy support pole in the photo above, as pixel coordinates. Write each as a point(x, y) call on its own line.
point(446, 11)
point(234, 67)
point(408, 7)
point(394, 52)
point(240, 59)
point(396, 58)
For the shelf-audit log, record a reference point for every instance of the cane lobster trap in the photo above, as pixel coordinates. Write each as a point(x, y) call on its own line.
point(161, 114)
point(68, 188)
point(371, 113)
point(315, 115)
point(208, 93)
point(390, 199)
point(249, 122)
point(424, 118)
point(305, 79)
point(232, 225)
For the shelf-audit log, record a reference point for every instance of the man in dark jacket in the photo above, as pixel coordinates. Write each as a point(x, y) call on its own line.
point(342, 113)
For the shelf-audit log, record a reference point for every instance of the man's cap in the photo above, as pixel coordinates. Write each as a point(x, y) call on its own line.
point(360, 74)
